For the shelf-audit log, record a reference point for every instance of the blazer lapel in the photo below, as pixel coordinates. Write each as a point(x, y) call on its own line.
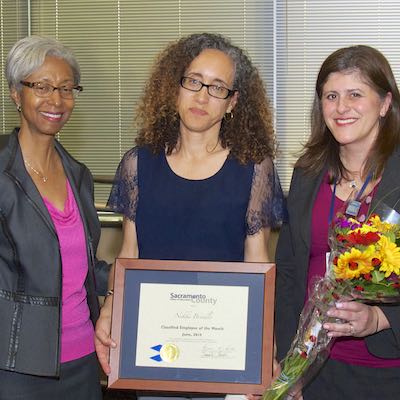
point(389, 188)
point(306, 198)
point(16, 170)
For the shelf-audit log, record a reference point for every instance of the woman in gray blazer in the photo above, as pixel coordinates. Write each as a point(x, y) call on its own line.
point(49, 233)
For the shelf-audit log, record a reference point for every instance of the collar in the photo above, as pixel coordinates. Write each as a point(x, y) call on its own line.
point(16, 171)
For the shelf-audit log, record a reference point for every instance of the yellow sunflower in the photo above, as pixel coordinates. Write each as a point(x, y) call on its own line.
point(389, 256)
point(365, 229)
point(380, 226)
point(354, 263)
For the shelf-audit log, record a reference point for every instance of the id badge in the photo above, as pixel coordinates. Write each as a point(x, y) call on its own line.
point(353, 208)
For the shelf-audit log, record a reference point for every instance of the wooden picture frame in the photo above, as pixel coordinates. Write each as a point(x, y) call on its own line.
point(221, 279)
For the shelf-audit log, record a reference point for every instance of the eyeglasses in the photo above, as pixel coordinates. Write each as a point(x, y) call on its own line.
point(44, 89)
point(220, 92)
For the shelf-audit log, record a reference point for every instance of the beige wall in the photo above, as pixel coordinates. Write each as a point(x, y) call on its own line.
point(110, 243)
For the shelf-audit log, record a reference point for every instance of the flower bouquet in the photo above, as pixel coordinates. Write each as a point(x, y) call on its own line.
point(364, 265)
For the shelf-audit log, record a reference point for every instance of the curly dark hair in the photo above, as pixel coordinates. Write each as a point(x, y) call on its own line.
point(249, 135)
point(322, 150)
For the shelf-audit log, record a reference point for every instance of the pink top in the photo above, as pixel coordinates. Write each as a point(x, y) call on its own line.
point(77, 331)
point(347, 349)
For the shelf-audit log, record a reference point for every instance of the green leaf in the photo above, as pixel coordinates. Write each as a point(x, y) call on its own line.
point(374, 291)
point(391, 236)
point(377, 276)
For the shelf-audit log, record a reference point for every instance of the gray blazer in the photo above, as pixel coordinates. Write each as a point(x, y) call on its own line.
point(3, 140)
point(30, 263)
point(293, 252)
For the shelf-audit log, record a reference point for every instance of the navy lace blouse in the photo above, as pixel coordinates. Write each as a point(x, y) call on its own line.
point(183, 219)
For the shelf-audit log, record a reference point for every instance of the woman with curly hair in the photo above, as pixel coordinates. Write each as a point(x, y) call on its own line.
point(201, 184)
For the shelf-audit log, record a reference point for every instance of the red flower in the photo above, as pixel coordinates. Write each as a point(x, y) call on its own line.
point(359, 288)
point(363, 238)
point(335, 260)
point(367, 277)
point(376, 262)
point(396, 285)
point(313, 338)
point(341, 238)
point(303, 354)
point(353, 265)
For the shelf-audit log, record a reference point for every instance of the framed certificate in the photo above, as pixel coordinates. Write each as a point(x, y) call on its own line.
point(192, 326)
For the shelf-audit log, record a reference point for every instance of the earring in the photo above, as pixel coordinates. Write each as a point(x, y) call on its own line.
point(228, 115)
point(19, 107)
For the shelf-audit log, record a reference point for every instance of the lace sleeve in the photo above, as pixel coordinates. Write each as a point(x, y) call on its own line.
point(124, 192)
point(266, 205)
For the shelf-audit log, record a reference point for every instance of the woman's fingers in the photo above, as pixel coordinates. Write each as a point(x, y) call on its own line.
point(103, 342)
point(356, 319)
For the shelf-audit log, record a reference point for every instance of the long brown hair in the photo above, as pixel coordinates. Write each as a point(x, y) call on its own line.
point(249, 135)
point(322, 150)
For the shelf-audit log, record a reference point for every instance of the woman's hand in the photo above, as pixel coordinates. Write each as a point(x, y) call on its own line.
point(360, 320)
point(103, 340)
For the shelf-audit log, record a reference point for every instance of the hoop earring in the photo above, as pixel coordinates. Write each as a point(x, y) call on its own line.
point(228, 116)
point(19, 107)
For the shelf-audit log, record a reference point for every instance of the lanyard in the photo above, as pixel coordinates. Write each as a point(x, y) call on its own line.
point(356, 203)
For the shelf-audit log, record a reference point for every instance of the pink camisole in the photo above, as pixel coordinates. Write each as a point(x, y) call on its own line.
point(77, 333)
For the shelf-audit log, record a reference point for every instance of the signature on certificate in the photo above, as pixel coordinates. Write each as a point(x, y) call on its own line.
point(215, 352)
point(195, 315)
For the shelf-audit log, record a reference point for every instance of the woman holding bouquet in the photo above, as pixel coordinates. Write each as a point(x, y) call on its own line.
point(354, 146)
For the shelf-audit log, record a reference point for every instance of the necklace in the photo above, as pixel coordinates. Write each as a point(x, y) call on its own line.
point(40, 175)
point(353, 184)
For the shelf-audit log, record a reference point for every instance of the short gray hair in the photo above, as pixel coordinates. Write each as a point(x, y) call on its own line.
point(29, 53)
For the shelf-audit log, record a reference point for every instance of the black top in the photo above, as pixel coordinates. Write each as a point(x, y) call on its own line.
point(207, 219)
